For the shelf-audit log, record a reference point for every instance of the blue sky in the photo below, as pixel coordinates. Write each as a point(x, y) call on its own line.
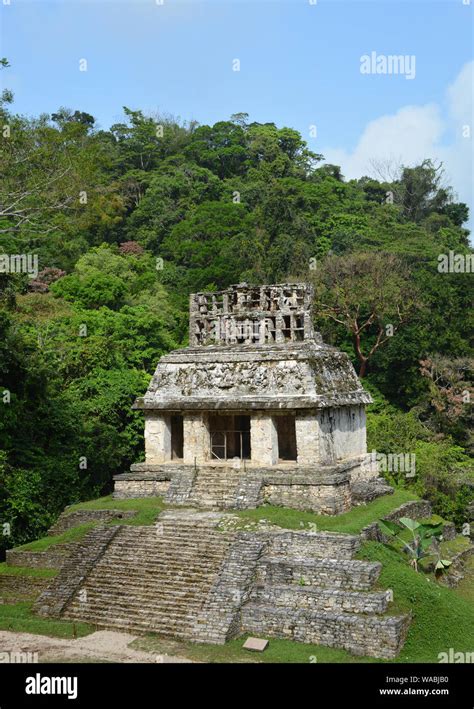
point(300, 66)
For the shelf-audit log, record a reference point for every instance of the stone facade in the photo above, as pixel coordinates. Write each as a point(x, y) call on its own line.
point(157, 438)
point(196, 438)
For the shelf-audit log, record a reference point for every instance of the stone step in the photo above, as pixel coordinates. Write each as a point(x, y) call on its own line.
point(170, 551)
point(151, 579)
point(154, 616)
point(105, 578)
point(310, 545)
point(156, 596)
point(157, 578)
point(375, 636)
point(326, 599)
point(330, 573)
point(181, 537)
point(152, 560)
point(136, 625)
point(129, 604)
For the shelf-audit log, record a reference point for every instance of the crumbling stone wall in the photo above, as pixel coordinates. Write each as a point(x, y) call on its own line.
point(418, 509)
point(20, 588)
point(330, 499)
point(126, 489)
point(361, 635)
point(69, 519)
point(52, 558)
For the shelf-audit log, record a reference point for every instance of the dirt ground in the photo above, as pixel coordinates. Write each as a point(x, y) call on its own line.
point(102, 646)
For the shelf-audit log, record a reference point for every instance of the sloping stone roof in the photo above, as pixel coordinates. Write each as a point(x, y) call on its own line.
point(294, 375)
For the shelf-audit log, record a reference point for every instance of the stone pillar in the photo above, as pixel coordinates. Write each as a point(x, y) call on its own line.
point(307, 439)
point(362, 431)
point(157, 438)
point(196, 445)
point(263, 440)
point(280, 326)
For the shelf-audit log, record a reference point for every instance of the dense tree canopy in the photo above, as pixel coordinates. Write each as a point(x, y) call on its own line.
point(127, 222)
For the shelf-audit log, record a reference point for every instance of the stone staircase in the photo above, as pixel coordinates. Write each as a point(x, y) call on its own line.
point(309, 588)
point(192, 576)
point(215, 488)
point(153, 579)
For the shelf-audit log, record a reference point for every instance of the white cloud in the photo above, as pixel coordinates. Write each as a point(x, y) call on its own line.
point(414, 133)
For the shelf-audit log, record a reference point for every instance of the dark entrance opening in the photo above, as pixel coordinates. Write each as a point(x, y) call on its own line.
point(176, 437)
point(286, 437)
point(230, 437)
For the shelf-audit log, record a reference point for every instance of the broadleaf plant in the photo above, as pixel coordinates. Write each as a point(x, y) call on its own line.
point(423, 535)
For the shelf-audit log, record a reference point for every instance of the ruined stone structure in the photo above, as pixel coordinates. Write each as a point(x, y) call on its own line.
point(257, 409)
point(191, 577)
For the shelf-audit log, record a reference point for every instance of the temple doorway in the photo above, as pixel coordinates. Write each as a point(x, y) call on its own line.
point(230, 437)
point(286, 432)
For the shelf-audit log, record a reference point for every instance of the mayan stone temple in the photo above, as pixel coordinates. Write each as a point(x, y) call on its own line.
point(256, 411)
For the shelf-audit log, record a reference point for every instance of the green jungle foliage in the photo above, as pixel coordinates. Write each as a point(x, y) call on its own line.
point(127, 222)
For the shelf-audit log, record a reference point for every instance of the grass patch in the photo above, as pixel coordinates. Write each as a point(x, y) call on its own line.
point(19, 618)
point(351, 522)
point(147, 508)
point(75, 534)
point(278, 651)
point(27, 571)
point(465, 589)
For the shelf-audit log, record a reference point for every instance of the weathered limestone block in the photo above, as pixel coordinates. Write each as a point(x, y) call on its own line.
point(322, 499)
point(196, 439)
point(334, 573)
point(157, 438)
point(307, 439)
point(342, 433)
point(140, 488)
point(263, 440)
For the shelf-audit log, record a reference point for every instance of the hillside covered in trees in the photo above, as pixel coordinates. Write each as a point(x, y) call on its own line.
point(126, 222)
